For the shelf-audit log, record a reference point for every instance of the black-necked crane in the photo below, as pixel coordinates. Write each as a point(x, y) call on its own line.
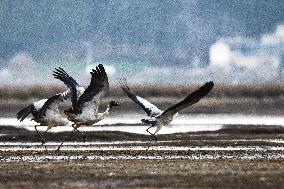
point(46, 112)
point(159, 118)
point(84, 110)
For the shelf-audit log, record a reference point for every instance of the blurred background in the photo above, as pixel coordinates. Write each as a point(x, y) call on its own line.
point(176, 45)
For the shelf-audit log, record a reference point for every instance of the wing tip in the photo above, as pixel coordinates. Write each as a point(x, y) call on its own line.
point(22, 114)
point(60, 72)
point(123, 84)
point(210, 82)
point(99, 72)
point(207, 87)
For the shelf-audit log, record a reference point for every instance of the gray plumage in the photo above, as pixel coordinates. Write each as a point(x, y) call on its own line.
point(45, 111)
point(84, 110)
point(158, 117)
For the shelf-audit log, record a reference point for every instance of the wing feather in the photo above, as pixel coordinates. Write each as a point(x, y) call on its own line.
point(76, 89)
point(22, 114)
point(51, 105)
point(90, 99)
point(191, 99)
point(147, 106)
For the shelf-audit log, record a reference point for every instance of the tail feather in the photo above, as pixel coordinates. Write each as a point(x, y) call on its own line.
point(22, 114)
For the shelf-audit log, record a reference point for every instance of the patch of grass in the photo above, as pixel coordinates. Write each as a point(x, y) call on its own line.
point(243, 99)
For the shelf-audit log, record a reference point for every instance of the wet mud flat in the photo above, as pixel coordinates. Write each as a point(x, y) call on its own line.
point(165, 173)
point(236, 156)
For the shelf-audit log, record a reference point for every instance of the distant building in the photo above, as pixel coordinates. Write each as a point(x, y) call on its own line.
point(281, 65)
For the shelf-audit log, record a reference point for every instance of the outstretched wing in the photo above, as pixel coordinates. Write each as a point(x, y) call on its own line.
point(147, 106)
point(191, 99)
point(44, 107)
point(50, 107)
point(33, 108)
point(76, 89)
point(89, 101)
point(22, 114)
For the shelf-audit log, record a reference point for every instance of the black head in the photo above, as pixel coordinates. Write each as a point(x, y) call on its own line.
point(113, 103)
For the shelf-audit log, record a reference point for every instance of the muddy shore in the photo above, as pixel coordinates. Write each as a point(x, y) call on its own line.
point(261, 173)
point(257, 167)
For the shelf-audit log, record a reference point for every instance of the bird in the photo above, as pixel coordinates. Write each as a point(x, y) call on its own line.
point(159, 118)
point(46, 112)
point(84, 110)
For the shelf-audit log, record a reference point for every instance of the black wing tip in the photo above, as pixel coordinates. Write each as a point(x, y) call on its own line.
point(99, 68)
point(22, 114)
point(62, 75)
point(102, 69)
point(93, 71)
point(210, 84)
point(60, 72)
point(123, 84)
point(207, 87)
point(99, 72)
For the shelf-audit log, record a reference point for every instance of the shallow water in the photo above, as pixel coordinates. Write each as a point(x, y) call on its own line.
point(123, 142)
point(181, 123)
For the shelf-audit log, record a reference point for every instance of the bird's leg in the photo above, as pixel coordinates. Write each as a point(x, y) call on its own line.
point(43, 134)
point(42, 139)
point(67, 136)
point(153, 135)
point(84, 138)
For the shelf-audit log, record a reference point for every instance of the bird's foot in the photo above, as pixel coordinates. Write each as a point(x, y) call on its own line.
point(43, 144)
point(45, 148)
point(58, 149)
point(155, 138)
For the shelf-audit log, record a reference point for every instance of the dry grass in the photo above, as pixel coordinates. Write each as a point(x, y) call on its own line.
point(176, 91)
point(258, 99)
